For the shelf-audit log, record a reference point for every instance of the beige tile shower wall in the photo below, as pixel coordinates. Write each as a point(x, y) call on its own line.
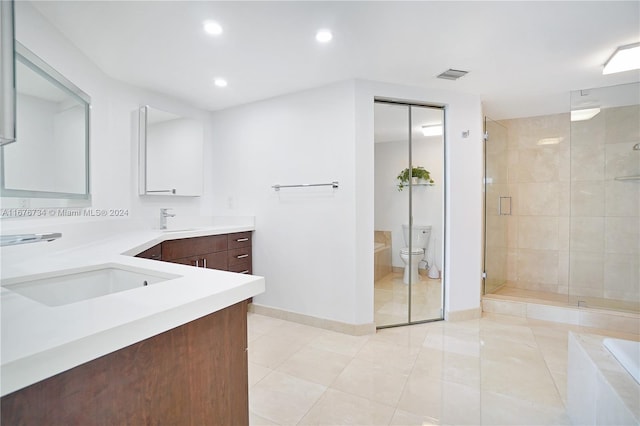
point(538, 180)
point(605, 223)
point(587, 227)
point(574, 227)
point(621, 270)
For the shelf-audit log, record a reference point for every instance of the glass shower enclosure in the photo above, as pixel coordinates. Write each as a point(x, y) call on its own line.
point(562, 203)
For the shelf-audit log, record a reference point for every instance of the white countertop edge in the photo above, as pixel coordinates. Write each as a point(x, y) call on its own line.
point(32, 369)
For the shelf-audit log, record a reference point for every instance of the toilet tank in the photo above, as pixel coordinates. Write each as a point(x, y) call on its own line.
point(420, 235)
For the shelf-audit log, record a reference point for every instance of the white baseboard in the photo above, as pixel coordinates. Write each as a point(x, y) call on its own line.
point(465, 315)
point(341, 327)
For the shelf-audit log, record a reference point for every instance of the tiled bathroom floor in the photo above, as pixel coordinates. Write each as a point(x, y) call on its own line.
point(391, 300)
point(498, 370)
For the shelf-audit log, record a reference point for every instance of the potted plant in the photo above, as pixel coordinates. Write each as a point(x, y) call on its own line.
point(417, 173)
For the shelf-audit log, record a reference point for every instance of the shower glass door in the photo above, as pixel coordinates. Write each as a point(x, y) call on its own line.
point(604, 246)
point(409, 213)
point(497, 204)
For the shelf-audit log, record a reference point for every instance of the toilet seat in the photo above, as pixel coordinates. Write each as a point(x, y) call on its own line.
point(414, 251)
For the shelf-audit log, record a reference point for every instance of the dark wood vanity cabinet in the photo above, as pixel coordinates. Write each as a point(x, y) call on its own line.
point(194, 374)
point(227, 252)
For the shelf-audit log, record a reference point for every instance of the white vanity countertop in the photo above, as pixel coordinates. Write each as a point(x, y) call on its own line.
point(39, 341)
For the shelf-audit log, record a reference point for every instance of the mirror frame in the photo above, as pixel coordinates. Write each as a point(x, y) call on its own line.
point(31, 60)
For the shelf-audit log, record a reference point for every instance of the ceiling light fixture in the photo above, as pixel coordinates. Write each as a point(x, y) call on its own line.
point(324, 36)
point(212, 27)
point(625, 58)
point(220, 82)
point(432, 130)
point(584, 114)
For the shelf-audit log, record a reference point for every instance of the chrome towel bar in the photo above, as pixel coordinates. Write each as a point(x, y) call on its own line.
point(333, 184)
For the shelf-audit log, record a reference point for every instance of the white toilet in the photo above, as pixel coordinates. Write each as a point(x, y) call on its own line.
point(420, 242)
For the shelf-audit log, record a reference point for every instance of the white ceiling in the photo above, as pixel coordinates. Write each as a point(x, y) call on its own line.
point(523, 58)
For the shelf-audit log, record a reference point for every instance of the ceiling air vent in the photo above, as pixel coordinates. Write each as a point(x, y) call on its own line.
point(452, 74)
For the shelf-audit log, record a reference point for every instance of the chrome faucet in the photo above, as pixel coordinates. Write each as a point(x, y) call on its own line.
point(164, 214)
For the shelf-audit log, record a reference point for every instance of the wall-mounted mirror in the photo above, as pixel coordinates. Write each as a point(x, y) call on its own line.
point(171, 149)
point(50, 158)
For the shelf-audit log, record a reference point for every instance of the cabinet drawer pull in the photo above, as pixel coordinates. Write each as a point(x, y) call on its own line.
point(155, 257)
point(204, 263)
point(242, 256)
point(246, 271)
point(240, 240)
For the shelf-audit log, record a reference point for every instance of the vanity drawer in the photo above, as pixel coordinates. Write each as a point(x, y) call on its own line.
point(188, 247)
point(239, 255)
point(239, 239)
point(241, 267)
point(209, 261)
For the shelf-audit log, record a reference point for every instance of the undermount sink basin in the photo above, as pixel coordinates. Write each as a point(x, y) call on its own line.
point(70, 286)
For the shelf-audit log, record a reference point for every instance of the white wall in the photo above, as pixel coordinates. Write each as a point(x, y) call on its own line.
point(304, 239)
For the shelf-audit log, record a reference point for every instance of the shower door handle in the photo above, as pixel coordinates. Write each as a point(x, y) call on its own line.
point(501, 211)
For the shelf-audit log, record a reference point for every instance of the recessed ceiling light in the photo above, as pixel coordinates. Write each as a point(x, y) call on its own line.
point(625, 58)
point(220, 82)
point(584, 114)
point(212, 27)
point(324, 36)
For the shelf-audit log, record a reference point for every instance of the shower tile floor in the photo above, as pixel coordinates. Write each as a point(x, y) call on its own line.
point(391, 300)
point(497, 370)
